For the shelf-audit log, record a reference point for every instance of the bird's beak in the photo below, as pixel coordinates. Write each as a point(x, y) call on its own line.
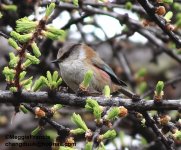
point(55, 61)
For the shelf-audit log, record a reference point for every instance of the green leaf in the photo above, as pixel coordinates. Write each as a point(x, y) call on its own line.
point(109, 134)
point(56, 107)
point(1, 15)
point(23, 109)
point(92, 105)
point(24, 25)
point(128, 5)
point(107, 91)
point(26, 82)
point(22, 75)
point(51, 36)
point(13, 60)
point(77, 131)
point(53, 30)
point(79, 122)
point(33, 59)
point(88, 146)
point(49, 77)
point(13, 44)
point(26, 64)
point(168, 16)
point(168, 1)
point(159, 87)
point(13, 89)
point(87, 79)
point(112, 113)
point(51, 133)
point(22, 38)
point(76, 3)
point(9, 7)
point(39, 83)
point(36, 50)
point(50, 9)
point(55, 76)
point(36, 131)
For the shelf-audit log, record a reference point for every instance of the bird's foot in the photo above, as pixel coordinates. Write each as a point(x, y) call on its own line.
point(136, 97)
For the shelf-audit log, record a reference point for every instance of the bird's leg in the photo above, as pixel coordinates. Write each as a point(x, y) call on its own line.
point(130, 94)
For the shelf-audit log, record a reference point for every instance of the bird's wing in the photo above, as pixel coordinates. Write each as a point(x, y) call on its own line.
point(97, 62)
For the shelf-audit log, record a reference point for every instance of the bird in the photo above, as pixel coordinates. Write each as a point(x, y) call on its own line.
point(75, 59)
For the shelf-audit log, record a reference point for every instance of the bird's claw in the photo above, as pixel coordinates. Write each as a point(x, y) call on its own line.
point(136, 97)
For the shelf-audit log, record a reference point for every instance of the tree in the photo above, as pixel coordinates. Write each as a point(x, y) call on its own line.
point(139, 40)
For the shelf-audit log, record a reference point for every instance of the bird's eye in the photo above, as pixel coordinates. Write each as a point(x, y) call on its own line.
point(65, 55)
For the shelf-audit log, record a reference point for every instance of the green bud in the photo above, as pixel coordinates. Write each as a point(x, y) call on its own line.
point(9, 7)
point(1, 15)
point(159, 87)
point(77, 131)
point(36, 131)
point(87, 79)
point(76, 3)
point(23, 109)
point(33, 59)
point(92, 105)
point(58, 82)
point(36, 50)
point(66, 148)
point(7, 71)
point(22, 75)
point(49, 77)
point(168, 1)
point(26, 82)
point(39, 83)
point(13, 44)
point(178, 23)
point(50, 35)
point(112, 113)
point(128, 5)
point(177, 135)
point(26, 64)
point(15, 35)
point(177, 6)
point(142, 87)
point(13, 89)
point(56, 107)
point(9, 74)
point(13, 60)
point(22, 38)
point(143, 122)
point(88, 146)
point(79, 122)
point(109, 134)
point(49, 10)
point(141, 73)
point(107, 91)
point(168, 16)
point(29, 85)
point(55, 31)
point(51, 133)
point(12, 55)
point(55, 76)
point(25, 25)
point(97, 113)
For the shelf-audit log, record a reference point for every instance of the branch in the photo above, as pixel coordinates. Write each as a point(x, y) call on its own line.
point(73, 100)
point(151, 12)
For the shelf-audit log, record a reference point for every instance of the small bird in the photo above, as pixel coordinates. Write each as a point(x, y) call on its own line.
point(76, 59)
